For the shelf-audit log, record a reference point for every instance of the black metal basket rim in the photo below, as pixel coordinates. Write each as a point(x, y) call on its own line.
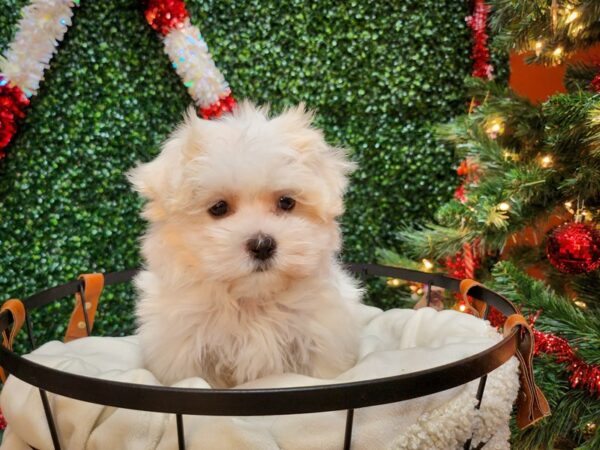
point(274, 401)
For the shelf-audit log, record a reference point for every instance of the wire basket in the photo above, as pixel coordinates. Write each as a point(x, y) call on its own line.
point(261, 402)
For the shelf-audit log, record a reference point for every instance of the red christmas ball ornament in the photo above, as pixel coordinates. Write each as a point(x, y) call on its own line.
point(165, 15)
point(574, 248)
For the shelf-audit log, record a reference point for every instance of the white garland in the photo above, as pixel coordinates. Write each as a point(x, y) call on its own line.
point(194, 64)
point(40, 30)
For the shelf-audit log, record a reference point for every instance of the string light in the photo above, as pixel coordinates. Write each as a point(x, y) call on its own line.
point(569, 207)
point(462, 307)
point(557, 51)
point(427, 264)
point(574, 31)
point(546, 161)
point(504, 206)
point(538, 47)
point(571, 17)
point(580, 304)
point(394, 282)
point(495, 127)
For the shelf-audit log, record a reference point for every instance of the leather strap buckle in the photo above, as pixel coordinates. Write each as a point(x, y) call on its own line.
point(17, 310)
point(476, 307)
point(532, 405)
point(86, 305)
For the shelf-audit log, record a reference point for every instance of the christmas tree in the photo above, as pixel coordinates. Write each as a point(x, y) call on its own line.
point(525, 214)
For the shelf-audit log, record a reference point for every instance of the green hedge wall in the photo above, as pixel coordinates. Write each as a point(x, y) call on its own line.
point(379, 74)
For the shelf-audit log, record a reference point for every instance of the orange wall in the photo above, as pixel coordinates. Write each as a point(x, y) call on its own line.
point(538, 82)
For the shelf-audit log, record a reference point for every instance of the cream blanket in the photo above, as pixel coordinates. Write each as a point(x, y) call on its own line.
point(392, 342)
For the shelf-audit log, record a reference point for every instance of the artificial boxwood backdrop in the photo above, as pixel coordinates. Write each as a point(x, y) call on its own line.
point(378, 72)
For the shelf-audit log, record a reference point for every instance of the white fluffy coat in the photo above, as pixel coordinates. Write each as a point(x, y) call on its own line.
point(205, 309)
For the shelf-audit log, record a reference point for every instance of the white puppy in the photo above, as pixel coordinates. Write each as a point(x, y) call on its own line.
point(241, 277)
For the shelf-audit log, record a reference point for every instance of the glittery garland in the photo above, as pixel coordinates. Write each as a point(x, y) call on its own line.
point(581, 374)
point(42, 26)
point(480, 52)
point(190, 57)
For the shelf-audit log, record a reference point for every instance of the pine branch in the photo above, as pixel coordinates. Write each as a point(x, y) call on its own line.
point(559, 315)
point(587, 287)
point(579, 76)
point(435, 241)
point(532, 25)
point(572, 410)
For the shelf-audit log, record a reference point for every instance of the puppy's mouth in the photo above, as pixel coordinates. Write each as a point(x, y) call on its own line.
point(262, 266)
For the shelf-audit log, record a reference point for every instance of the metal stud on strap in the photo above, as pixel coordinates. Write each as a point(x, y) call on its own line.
point(86, 304)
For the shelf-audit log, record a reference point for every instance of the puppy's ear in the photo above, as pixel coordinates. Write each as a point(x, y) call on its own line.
point(161, 180)
point(331, 165)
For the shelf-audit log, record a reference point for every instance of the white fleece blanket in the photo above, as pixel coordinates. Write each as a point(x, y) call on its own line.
point(392, 342)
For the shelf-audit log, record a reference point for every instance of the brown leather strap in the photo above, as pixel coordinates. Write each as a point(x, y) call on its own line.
point(17, 309)
point(93, 285)
point(531, 403)
point(477, 307)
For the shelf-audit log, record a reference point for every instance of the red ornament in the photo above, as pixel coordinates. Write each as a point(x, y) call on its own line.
point(574, 248)
point(595, 84)
point(165, 15)
point(12, 107)
point(480, 53)
point(223, 105)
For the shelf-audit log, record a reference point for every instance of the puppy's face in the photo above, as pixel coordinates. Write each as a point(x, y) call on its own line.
point(247, 200)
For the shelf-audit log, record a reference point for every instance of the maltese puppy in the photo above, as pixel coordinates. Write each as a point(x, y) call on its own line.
point(241, 275)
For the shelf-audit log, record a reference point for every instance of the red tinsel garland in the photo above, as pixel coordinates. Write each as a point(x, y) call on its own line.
point(221, 106)
point(164, 15)
point(12, 107)
point(582, 374)
point(480, 53)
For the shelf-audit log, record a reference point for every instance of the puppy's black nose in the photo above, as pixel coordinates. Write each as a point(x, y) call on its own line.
point(262, 246)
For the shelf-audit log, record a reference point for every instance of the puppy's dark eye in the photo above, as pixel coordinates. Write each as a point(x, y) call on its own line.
point(219, 209)
point(286, 203)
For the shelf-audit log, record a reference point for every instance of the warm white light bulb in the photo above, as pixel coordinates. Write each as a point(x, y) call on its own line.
point(546, 161)
point(503, 206)
point(580, 304)
point(427, 264)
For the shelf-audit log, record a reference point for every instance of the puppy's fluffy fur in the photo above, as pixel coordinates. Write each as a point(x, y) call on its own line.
point(207, 306)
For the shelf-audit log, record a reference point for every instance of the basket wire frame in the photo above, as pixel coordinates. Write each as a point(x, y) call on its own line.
point(362, 270)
